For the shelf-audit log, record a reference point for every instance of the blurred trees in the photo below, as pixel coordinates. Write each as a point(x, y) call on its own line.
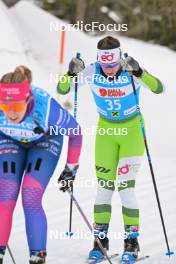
point(10, 3)
point(153, 20)
point(150, 20)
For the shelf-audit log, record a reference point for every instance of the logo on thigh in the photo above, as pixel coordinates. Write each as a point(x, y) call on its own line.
point(134, 168)
point(102, 169)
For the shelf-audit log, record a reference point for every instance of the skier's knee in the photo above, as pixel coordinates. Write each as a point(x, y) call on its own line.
point(32, 193)
point(8, 191)
point(104, 196)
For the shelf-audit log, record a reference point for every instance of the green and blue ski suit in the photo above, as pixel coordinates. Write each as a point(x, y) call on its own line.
point(117, 155)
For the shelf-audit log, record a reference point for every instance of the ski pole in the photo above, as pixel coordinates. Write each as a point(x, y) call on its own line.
point(11, 255)
point(88, 224)
point(70, 232)
point(169, 252)
point(78, 55)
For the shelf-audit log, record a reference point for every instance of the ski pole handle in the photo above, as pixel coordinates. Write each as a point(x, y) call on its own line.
point(123, 63)
point(78, 55)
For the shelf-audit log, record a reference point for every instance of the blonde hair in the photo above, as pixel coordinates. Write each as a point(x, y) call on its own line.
point(19, 75)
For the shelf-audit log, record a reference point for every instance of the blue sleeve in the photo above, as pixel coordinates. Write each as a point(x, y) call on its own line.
point(61, 119)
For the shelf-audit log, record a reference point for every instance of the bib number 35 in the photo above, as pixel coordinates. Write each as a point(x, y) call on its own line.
point(113, 104)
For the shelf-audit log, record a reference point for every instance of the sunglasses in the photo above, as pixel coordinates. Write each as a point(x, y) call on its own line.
point(109, 65)
point(19, 107)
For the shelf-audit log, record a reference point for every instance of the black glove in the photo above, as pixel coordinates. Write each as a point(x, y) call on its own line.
point(75, 66)
point(131, 65)
point(67, 177)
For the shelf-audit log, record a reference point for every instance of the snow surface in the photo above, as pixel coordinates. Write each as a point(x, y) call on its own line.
point(26, 39)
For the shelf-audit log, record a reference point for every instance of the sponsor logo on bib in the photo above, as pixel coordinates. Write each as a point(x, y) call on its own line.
point(111, 92)
point(115, 113)
point(130, 110)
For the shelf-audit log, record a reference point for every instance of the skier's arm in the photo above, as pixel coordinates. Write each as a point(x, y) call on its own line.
point(76, 65)
point(153, 83)
point(60, 121)
point(146, 79)
point(78, 73)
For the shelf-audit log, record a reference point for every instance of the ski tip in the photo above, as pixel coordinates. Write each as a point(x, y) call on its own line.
point(69, 234)
point(170, 253)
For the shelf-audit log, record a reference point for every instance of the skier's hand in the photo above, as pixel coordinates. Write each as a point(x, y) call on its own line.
point(67, 177)
point(75, 66)
point(131, 65)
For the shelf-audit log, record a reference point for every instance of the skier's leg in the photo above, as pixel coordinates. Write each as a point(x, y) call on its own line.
point(127, 171)
point(130, 157)
point(106, 166)
point(106, 154)
point(12, 164)
point(41, 164)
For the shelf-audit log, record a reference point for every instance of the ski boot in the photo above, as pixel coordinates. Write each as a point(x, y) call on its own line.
point(38, 257)
point(100, 231)
point(131, 245)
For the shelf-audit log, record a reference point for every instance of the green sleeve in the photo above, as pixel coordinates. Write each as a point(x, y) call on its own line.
point(64, 84)
point(152, 82)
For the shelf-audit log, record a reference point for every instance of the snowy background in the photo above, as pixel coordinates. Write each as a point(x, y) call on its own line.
point(26, 39)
